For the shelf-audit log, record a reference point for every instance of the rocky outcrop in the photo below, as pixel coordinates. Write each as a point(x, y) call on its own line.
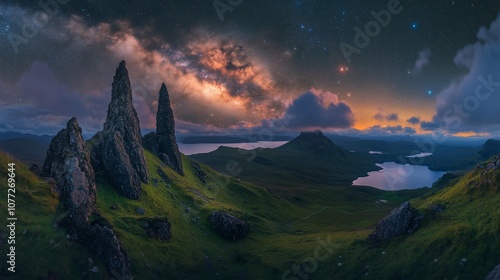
point(118, 148)
point(493, 165)
point(229, 226)
point(200, 173)
point(104, 243)
point(163, 142)
point(68, 162)
point(158, 228)
point(494, 274)
point(402, 220)
point(150, 142)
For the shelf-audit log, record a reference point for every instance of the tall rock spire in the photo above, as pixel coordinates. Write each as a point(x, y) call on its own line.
point(165, 131)
point(119, 151)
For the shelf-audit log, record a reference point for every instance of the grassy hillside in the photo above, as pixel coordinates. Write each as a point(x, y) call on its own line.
point(469, 228)
point(283, 233)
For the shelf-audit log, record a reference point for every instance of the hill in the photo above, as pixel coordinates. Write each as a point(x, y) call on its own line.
point(30, 150)
point(311, 159)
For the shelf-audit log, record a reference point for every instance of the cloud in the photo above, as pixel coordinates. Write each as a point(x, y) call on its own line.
point(392, 117)
point(422, 61)
point(471, 102)
point(429, 126)
point(217, 80)
point(378, 130)
point(319, 110)
point(40, 101)
point(379, 117)
point(413, 120)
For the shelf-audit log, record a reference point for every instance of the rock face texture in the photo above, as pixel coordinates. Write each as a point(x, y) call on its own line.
point(200, 173)
point(402, 220)
point(494, 274)
point(165, 131)
point(68, 162)
point(229, 226)
point(163, 142)
point(117, 150)
point(103, 242)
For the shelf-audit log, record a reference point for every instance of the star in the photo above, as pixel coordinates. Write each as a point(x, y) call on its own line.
point(429, 92)
point(414, 26)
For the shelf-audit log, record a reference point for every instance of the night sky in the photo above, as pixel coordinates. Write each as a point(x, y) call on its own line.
point(381, 67)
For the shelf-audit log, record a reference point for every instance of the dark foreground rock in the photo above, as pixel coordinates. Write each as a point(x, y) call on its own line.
point(118, 148)
point(103, 242)
point(157, 228)
point(68, 163)
point(402, 220)
point(494, 274)
point(229, 226)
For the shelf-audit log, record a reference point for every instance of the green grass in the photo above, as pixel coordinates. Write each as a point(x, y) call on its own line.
point(284, 232)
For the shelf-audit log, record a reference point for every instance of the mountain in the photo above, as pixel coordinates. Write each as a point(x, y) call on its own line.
point(488, 150)
point(311, 159)
point(316, 144)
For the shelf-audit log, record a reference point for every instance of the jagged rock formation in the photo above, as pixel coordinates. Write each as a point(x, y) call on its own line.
point(494, 274)
point(163, 142)
point(402, 220)
point(229, 226)
point(117, 150)
point(68, 162)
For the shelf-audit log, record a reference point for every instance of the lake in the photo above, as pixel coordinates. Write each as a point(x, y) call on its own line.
point(394, 176)
point(190, 149)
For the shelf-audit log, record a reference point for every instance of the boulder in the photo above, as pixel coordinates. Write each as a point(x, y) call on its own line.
point(229, 226)
point(402, 220)
point(158, 228)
